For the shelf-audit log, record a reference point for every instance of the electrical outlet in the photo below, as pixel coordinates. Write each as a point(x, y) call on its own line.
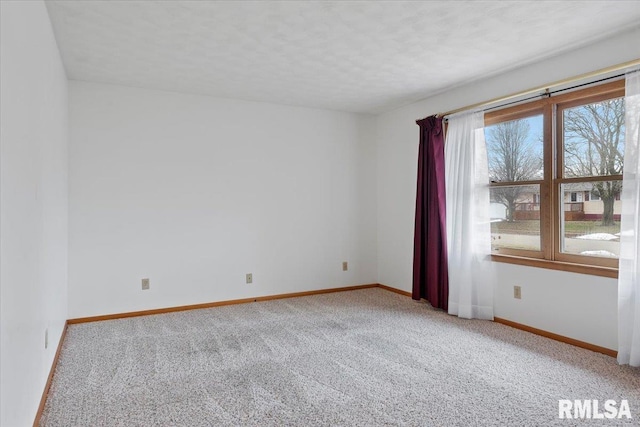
point(345, 265)
point(145, 284)
point(517, 292)
point(249, 278)
point(46, 338)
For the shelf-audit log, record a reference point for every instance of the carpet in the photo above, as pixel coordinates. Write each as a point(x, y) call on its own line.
point(359, 358)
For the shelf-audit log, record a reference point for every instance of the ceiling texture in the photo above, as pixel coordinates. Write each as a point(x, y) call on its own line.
point(357, 56)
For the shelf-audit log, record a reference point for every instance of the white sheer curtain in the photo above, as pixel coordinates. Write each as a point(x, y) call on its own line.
point(468, 227)
point(629, 273)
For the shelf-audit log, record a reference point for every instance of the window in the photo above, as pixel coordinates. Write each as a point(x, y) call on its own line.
point(515, 155)
point(556, 176)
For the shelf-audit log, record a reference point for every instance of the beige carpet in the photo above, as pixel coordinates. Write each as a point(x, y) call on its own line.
point(361, 358)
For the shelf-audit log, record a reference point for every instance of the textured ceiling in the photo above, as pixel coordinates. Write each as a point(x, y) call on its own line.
point(349, 55)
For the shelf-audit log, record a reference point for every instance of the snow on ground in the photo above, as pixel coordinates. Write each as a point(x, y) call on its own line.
point(599, 253)
point(598, 236)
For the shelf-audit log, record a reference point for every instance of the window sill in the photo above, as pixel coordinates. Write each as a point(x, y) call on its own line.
point(557, 265)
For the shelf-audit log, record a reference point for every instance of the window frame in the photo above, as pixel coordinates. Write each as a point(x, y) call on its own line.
point(551, 199)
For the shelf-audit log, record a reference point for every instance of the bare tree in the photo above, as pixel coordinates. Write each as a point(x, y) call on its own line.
point(512, 157)
point(594, 146)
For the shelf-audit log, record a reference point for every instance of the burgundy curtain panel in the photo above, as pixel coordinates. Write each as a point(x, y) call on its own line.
point(430, 272)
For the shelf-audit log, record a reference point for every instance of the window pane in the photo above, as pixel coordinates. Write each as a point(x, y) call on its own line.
point(515, 217)
point(594, 139)
point(514, 150)
point(591, 223)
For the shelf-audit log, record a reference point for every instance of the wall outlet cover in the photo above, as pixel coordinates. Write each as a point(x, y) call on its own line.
point(517, 292)
point(145, 284)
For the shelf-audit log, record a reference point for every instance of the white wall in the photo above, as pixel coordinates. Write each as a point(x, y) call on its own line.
point(193, 192)
point(574, 305)
point(33, 206)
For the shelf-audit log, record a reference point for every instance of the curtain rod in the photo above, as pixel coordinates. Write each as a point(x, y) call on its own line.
point(544, 88)
point(548, 93)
